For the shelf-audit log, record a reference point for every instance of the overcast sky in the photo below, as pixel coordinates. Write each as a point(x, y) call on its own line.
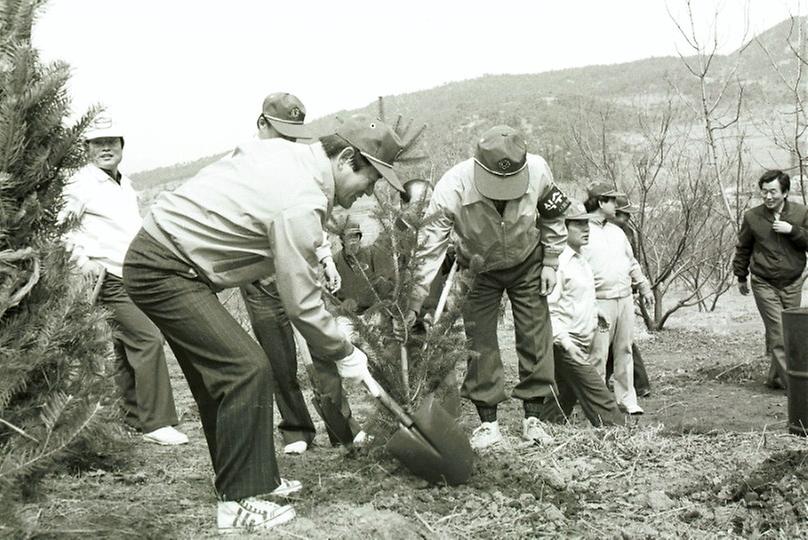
point(186, 77)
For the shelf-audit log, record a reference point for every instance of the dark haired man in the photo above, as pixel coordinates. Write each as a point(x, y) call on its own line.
point(771, 246)
point(616, 273)
point(260, 211)
point(492, 203)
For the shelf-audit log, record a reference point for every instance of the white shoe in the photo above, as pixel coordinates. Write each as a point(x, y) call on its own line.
point(297, 447)
point(167, 436)
point(485, 435)
point(286, 488)
point(533, 430)
point(362, 439)
point(251, 514)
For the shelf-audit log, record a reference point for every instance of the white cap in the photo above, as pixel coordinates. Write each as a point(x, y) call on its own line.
point(101, 127)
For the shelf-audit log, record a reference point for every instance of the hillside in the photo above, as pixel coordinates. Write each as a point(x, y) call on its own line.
point(544, 105)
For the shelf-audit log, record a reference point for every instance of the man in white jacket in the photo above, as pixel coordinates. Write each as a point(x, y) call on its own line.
point(616, 271)
point(103, 202)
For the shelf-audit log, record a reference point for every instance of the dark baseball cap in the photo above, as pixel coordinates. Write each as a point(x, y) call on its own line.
point(376, 141)
point(500, 164)
point(624, 205)
point(286, 113)
point(604, 189)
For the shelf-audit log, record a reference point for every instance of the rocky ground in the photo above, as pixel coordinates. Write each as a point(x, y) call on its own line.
point(711, 458)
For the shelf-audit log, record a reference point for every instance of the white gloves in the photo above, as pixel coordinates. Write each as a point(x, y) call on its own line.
point(354, 366)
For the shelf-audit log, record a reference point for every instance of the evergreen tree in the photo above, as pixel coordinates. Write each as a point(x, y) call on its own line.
point(55, 345)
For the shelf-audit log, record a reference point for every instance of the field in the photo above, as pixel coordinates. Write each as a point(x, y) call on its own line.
point(711, 458)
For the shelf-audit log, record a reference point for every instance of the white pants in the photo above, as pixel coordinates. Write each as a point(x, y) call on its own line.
point(619, 313)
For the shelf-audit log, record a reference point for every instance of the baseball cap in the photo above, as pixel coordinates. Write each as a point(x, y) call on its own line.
point(603, 189)
point(376, 141)
point(286, 114)
point(577, 212)
point(624, 205)
point(351, 226)
point(102, 127)
point(500, 164)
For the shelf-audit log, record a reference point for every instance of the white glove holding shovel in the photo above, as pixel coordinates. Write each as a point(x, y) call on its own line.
point(354, 367)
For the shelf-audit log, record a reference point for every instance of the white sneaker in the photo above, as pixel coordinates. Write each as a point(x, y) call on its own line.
point(485, 435)
point(286, 488)
point(362, 439)
point(251, 514)
point(167, 436)
point(533, 430)
point(297, 447)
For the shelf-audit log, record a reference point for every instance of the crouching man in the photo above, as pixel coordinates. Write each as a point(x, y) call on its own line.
point(574, 316)
point(258, 212)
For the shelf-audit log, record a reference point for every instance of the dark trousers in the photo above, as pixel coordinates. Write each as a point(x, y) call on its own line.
point(140, 363)
point(274, 332)
point(641, 380)
point(485, 382)
point(771, 302)
point(580, 383)
point(226, 370)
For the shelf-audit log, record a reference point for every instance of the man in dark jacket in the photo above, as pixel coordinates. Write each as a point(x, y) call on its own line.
point(771, 245)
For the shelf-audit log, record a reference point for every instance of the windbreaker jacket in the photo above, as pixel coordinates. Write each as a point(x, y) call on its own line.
point(502, 241)
point(108, 217)
point(573, 305)
point(612, 261)
point(258, 212)
point(774, 257)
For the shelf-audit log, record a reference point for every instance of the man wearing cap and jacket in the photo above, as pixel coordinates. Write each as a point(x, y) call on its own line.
point(574, 315)
point(283, 116)
point(771, 246)
point(103, 202)
point(258, 212)
point(622, 218)
point(492, 204)
point(616, 272)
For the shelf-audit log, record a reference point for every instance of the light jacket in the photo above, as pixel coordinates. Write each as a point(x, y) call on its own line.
point(502, 240)
point(612, 261)
point(573, 305)
point(108, 217)
point(258, 212)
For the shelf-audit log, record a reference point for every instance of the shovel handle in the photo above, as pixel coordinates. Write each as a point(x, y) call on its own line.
point(444, 294)
point(99, 282)
point(388, 402)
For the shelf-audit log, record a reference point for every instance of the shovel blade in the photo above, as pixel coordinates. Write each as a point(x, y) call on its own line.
point(434, 447)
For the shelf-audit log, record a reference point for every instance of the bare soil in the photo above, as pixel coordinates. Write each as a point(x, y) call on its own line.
point(710, 458)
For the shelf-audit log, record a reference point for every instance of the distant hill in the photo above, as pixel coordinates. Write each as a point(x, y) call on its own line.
point(544, 105)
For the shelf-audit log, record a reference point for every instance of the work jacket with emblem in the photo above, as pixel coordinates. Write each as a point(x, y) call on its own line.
point(503, 241)
point(772, 256)
point(260, 211)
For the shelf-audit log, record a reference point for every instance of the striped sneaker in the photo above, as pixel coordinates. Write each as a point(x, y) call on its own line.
point(251, 514)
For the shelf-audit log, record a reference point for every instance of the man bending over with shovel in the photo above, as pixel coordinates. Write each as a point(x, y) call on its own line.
point(258, 212)
point(492, 203)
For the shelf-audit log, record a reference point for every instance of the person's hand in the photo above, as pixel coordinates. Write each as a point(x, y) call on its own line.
point(648, 300)
point(401, 329)
point(603, 323)
point(547, 280)
point(782, 227)
point(333, 281)
point(743, 287)
point(575, 352)
point(91, 269)
point(354, 367)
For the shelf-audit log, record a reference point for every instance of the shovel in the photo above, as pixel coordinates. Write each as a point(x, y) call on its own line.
point(429, 442)
point(336, 424)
